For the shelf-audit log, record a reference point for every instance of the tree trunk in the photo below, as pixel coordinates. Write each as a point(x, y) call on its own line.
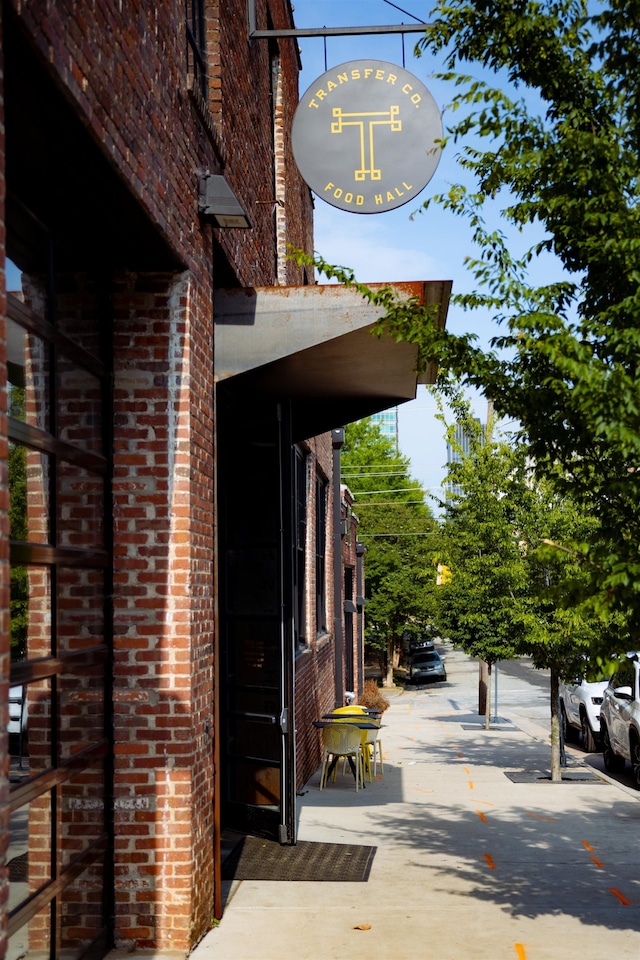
point(483, 668)
point(556, 771)
point(487, 706)
point(387, 680)
point(397, 650)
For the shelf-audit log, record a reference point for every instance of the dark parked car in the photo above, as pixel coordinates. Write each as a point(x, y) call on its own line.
point(421, 643)
point(426, 666)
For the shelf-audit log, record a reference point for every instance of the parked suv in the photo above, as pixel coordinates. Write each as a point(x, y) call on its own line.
point(426, 665)
point(580, 708)
point(620, 718)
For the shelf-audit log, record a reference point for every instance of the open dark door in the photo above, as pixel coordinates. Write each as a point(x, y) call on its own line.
point(255, 460)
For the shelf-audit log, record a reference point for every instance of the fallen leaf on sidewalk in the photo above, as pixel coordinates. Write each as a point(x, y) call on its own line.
point(362, 926)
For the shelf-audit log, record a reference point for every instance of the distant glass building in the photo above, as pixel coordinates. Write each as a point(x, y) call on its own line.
point(388, 422)
point(455, 454)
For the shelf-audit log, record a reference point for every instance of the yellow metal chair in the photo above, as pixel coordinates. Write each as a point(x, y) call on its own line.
point(341, 740)
point(371, 746)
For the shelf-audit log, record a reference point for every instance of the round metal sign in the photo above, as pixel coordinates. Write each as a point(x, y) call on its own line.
point(364, 136)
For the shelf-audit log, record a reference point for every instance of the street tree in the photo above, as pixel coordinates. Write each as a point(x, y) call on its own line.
point(562, 630)
point(396, 526)
point(511, 587)
point(546, 121)
point(482, 600)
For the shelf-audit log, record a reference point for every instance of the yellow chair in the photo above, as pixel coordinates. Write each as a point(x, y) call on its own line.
point(352, 714)
point(341, 740)
point(374, 750)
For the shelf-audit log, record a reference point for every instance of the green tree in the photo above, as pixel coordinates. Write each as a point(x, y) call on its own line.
point(482, 603)
point(396, 526)
point(547, 122)
point(562, 630)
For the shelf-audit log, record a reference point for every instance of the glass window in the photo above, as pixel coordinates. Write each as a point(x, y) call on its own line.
point(34, 938)
point(81, 508)
point(80, 608)
point(29, 486)
point(196, 45)
point(79, 315)
point(81, 918)
point(78, 406)
point(81, 707)
point(321, 545)
point(31, 754)
point(81, 812)
point(300, 533)
point(30, 612)
point(28, 376)
point(29, 852)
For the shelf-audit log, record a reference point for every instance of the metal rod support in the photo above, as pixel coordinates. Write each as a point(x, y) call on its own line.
point(255, 34)
point(340, 31)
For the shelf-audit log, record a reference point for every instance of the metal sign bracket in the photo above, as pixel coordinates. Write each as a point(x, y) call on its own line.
point(254, 34)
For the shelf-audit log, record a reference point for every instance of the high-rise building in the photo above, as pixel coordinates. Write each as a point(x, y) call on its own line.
point(459, 449)
point(388, 422)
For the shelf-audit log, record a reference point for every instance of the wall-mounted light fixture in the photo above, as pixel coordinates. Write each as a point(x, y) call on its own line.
point(218, 204)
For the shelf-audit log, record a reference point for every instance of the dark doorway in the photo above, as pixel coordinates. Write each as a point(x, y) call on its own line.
point(255, 485)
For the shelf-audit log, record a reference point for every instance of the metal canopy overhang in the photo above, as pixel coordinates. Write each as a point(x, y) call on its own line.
point(314, 346)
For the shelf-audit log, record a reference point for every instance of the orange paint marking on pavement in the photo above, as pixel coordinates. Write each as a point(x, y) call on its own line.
point(597, 862)
point(489, 860)
point(588, 846)
point(520, 951)
point(466, 770)
point(536, 817)
point(623, 900)
point(488, 803)
point(421, 789)
point(481, 815)
point(460, 755)
point(470, 784)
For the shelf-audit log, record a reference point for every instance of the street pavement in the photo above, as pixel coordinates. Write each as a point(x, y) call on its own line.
point(479, 855)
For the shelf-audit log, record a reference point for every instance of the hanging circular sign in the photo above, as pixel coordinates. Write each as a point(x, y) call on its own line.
point(365, 135)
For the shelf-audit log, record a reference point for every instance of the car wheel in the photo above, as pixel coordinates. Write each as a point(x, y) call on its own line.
point(444, 678)
point(612, 762)
point(635, 760)
point(568, 734)
point(588, 739)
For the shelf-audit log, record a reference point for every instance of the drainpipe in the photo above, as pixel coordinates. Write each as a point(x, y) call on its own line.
point(337, 442)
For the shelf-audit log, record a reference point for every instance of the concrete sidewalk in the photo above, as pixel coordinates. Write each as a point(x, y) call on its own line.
point(470, 863)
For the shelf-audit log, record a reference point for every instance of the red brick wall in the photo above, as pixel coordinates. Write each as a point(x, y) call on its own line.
point(163, 691)
point(123, 71)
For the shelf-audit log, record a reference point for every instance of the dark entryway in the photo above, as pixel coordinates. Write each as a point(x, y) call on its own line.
point(257, 745)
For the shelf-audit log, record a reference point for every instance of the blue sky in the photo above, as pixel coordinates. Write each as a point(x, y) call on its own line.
point(391, 246)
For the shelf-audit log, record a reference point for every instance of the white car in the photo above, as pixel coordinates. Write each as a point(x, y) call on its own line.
point(580, 704)
point(620, 718)
point(17, 726)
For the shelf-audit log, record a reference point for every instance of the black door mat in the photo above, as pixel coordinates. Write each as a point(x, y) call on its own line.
point(255, 858)
point(540, 776)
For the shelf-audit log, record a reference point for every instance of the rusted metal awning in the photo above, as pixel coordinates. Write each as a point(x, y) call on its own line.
point(313, 345)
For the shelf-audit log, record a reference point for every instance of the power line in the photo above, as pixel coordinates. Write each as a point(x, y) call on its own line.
point(387, 503)
point(359, 476)
point(368, 493)
point(370, 535)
